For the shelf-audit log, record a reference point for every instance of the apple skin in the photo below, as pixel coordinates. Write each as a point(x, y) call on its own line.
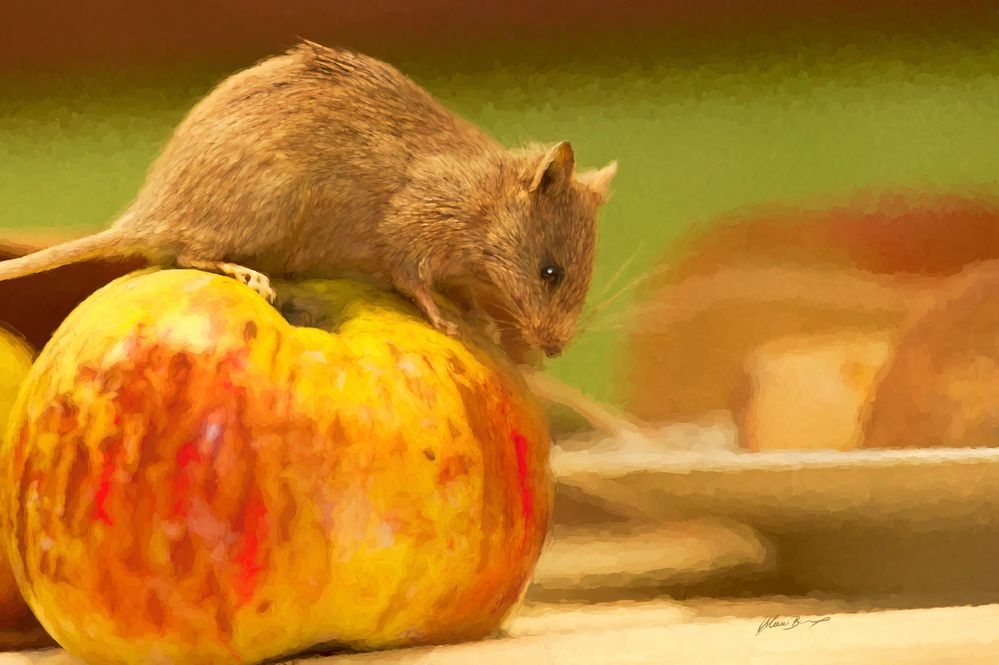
point(188, 478)
point(16, 357)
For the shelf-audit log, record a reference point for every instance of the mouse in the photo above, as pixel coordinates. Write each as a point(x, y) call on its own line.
point(324, 162)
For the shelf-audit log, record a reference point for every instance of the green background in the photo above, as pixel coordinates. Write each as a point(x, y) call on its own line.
point(699, 128)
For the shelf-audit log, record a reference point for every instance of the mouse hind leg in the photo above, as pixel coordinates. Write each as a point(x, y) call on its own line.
point(257, 281)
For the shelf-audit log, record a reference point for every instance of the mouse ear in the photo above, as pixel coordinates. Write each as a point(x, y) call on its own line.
point(555, 169)
point(599, 181)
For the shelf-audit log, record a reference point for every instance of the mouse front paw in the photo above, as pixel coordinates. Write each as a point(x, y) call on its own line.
point(448, 327)
point(418, 288)
point(441, 322)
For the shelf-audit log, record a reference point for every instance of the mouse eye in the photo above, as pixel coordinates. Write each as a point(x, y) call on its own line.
point(551, 275)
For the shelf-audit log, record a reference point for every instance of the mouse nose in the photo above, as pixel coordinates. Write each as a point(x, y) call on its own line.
point(553, 350)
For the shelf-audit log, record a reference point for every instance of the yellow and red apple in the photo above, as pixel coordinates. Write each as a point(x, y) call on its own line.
point(15, 361)
point(190, 478)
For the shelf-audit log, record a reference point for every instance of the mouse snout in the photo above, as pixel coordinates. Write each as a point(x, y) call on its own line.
point(549, 344)
point(551, 341)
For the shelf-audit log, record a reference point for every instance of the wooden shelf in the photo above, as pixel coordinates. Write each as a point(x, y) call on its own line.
point(675, 633)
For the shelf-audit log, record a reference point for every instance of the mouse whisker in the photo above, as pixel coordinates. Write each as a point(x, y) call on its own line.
point(604, 326)
point(616, 321)
point(595, 311)
point(616, 276)
point(600, 307)
point(503, 318)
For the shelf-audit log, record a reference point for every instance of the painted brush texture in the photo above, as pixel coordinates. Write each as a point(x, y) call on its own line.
point(793, 301)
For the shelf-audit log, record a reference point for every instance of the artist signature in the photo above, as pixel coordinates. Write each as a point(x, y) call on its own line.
point(787, 623)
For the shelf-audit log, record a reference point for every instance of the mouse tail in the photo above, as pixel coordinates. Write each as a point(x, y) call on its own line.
point(103, 244)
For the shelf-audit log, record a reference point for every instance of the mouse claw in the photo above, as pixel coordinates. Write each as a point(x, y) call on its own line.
point(433, 314)
point(449, 328)
point(264, 288)
point(255, 280)
point(445, 324)
point(441, 323)
point(261, 285)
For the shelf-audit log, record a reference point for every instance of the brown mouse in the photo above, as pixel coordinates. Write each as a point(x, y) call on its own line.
point(323, 162)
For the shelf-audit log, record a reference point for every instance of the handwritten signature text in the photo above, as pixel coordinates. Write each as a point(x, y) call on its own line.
point(787, 623)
